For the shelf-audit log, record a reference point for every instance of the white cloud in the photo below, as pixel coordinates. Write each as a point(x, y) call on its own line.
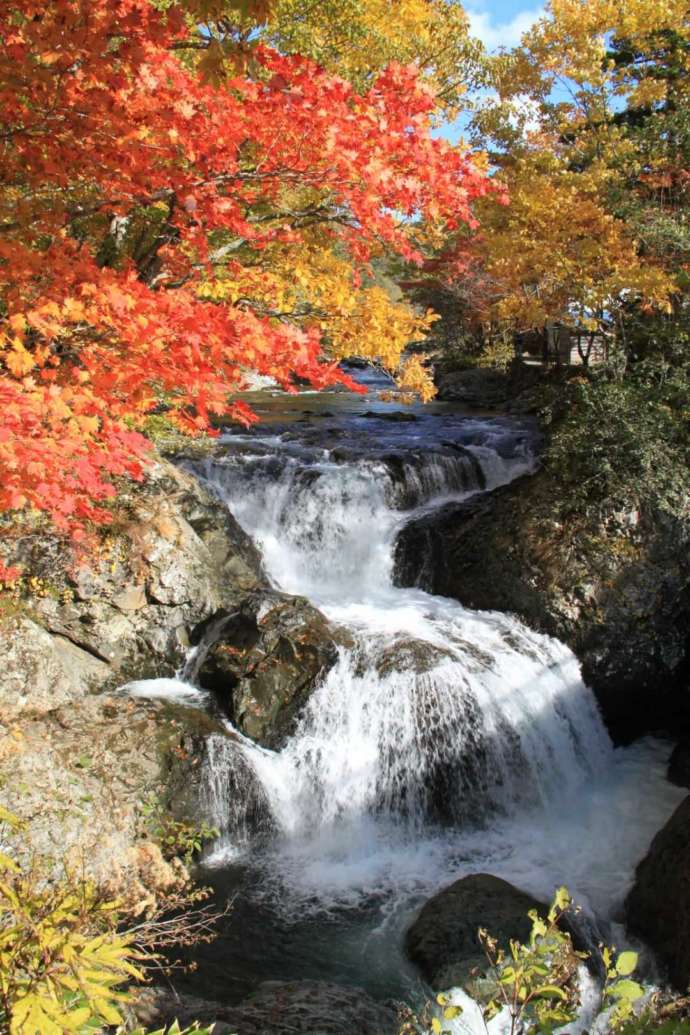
point(522, 110)
point(501, 34)
point(525, 113)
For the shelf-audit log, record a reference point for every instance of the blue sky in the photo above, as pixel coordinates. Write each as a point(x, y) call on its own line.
point(497, 23)
point(501, 22)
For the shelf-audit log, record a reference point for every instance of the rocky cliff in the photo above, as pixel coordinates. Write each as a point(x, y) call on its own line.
point(617, 591)
point(78, 757)
point(658, 906)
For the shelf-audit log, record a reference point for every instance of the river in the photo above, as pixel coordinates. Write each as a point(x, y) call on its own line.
point(444, 741)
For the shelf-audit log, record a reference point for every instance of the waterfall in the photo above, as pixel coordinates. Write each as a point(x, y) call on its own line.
point(442, 742)
point(436, 717)
point(326, 519)
point(453, 744)
point(233, 802)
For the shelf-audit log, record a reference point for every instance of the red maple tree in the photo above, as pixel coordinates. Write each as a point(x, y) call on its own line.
point(102, 118)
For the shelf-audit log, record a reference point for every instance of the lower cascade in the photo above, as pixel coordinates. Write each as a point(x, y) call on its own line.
point(494, 723)
point(442, 742)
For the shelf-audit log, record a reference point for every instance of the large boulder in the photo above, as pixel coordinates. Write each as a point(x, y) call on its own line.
point(449, 785)
point(658, 906)
point(129, 609)
point(41, 672)
point(616, 590)
point(408, 655)
point(488, 388)
point(474, 386)
point(679, 764)
point(265, 660)
point(76, 759)
point(443, 940)
point(281, 1008)
point(79, 774)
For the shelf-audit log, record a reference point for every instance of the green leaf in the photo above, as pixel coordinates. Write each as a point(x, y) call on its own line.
point(79, 1017)
point(9, 817)
point(628, 990)
point(491, 1010)
point(561, 902)
point(538, 925)
point(626, 963)
point(550, 991)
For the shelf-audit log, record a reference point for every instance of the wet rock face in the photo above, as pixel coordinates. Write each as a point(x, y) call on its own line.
point(618, 593)
point(658, 906)
point(451, 787)
point(281, 1008)
point(418, 475)
point(679, 764)
point(443, 941)
point(409, 655)
point(269, 656)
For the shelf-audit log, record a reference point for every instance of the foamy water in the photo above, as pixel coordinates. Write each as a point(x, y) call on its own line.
point(445, 741)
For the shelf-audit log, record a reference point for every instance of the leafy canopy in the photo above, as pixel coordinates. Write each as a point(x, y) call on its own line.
point(153, 213)
point(588, 124)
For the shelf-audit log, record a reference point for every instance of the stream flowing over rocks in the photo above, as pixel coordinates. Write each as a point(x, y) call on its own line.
point(274, 643)
point(399, 743)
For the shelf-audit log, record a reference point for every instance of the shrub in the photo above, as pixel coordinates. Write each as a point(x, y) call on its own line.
point(65, 964)
point(62, 962)
point(535, 987)
point(621, 443)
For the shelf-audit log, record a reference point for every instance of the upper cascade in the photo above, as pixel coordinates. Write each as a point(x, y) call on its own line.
point(325, 505)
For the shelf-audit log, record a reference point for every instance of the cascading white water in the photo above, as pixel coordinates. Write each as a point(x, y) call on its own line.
point(326, 528)
point(436, 714)
point(496, 721)
point(443, 742)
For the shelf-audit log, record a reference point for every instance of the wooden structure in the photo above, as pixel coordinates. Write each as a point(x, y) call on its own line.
point(559, 345)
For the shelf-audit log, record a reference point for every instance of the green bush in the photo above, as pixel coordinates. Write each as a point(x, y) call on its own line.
point(621, 443)
point(177, 839)
point(62, 961)
point(66, 966)
point(536, 987)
